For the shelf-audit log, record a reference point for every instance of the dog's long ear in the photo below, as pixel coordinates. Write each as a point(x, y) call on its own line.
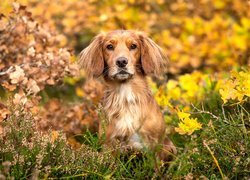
point(91, 58)
point(153, 59)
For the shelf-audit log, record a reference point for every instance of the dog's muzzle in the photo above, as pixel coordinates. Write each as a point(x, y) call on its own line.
point(122, 75)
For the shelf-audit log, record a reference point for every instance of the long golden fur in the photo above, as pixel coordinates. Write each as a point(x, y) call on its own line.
point(124, 58)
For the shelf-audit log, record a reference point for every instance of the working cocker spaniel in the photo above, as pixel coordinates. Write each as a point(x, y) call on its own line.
point(124, 58)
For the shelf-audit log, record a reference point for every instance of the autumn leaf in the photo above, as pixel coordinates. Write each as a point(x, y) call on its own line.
point(32, 86)
point(20, 98)
point(236, 87)
point(31, 52)
point(54, 136)
point(17, 76)
point(4, 112)
point(79, 92)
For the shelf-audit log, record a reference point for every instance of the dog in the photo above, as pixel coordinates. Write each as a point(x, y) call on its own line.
point(124, 58)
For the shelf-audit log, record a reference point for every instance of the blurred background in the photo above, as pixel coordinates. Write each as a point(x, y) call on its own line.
point(207, 35)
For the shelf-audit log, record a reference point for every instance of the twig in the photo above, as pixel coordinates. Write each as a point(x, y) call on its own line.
point(7, 71)
point(224, 119)
point(11, 68)
point(214, 158)
point(205, 112)
point(223, 111)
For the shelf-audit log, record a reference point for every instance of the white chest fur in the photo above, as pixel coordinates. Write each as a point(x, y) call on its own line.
point(123, 109)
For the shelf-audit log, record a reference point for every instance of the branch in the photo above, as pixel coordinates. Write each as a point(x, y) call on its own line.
point(205, 112)
point(7, 71)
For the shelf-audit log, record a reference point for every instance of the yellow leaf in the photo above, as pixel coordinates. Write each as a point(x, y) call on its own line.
point(54, 135)
point(79, 92)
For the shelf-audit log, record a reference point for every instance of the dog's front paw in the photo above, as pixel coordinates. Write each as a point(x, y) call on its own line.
point(168, 151)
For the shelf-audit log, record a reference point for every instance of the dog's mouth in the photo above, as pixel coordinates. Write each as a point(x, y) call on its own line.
point(122, 75)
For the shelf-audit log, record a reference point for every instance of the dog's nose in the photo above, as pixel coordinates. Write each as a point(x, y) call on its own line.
point(121, 62)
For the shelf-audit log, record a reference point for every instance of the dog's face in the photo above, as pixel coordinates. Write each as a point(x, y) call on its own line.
point(122, 54)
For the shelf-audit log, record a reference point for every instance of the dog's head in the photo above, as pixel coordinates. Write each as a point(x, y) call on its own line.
point(120, 55)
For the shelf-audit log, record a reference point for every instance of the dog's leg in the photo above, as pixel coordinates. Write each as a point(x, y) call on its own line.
point(168, 151)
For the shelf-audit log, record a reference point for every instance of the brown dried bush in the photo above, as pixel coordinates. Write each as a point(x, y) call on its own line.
point(31, 58)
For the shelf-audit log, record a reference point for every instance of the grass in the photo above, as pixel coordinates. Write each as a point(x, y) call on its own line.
point(220, 150)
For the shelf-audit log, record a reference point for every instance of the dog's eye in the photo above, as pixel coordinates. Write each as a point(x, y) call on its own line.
point(110, 47)
point(133, 46)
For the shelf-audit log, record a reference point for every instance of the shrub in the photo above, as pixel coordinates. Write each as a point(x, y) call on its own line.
point(26, 152)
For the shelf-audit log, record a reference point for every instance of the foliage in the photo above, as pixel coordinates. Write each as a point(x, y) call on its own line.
point(237, 87)
point(196, 34)
point(219, 151)
point(28, 153)
point(49, 117)
point(30, 58)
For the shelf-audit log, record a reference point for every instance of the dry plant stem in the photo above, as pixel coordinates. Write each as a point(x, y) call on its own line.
point(214, 158)
point(7, 71)
point(11, 68)
point(223, 111)
point(199, 111)
point(205, 112)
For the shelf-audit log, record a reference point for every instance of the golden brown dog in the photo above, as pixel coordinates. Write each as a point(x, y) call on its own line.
point(124, 58)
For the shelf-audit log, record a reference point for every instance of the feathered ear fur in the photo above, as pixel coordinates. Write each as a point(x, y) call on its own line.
point(153, 59)
point(91, 58)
